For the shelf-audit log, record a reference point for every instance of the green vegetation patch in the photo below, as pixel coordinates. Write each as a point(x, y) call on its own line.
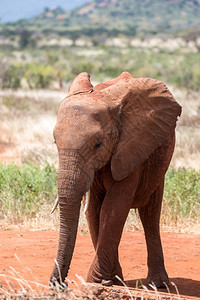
point(181, 196)
point(23, 190)
point(16, 103)
point(39, 76)
point(58, 66)
point(11, 75)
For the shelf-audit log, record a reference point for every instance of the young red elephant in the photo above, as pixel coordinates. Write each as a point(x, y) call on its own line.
point(115, 139)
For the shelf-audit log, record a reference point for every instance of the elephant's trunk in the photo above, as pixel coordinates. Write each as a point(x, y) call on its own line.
point(69, 216)
point(70, 191)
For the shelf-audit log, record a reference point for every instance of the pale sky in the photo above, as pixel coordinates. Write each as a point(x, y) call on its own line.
point(12, 10)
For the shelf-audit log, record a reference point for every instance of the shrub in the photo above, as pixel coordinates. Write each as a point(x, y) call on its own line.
point(23, 189)
point(84, 65)
point(11, 77)
point(182, 195)
point(39, 76)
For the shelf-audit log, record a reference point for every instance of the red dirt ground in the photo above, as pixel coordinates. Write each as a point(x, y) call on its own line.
point(36, 251)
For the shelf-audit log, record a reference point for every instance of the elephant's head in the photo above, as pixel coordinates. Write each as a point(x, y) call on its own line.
point(121, 121)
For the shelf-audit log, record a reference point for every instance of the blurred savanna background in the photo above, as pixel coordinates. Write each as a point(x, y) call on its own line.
point(44, 45)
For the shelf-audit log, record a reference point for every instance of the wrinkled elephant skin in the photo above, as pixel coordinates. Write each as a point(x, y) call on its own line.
point(117, 140)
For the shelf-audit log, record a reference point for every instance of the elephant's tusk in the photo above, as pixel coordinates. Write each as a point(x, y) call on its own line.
point(55, 205)
point(87, 199)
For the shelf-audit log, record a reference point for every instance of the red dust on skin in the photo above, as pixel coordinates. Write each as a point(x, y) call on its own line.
point(36, 251)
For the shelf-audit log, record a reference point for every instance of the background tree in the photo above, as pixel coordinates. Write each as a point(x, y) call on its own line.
point(24, 38)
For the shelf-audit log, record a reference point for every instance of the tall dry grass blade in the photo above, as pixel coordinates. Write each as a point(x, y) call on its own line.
point(81, 279)
point(145, 288)
point(126, 288)
point(83, 283)
point(17, 273)
point(24, 281)
point(17, 258)
point(18, 280)
point(7, 282)
point(167, 288)
point(177, 291)
point(153, 286)
point(77, 289)
point(57, 265)
point(5, 293)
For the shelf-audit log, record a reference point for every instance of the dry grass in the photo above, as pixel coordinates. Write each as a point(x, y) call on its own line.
point(187, 151)
point(26, 129)
point(14, 286)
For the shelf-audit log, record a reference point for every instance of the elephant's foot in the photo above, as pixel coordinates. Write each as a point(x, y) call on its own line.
point(105, 276)
point(104, 281)
point(57, 281)
point(56, 284)
point(159, 279)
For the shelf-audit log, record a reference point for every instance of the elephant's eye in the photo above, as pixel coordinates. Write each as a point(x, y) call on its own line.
point(98, 145)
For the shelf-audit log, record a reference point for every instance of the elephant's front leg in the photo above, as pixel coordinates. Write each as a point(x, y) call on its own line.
point(93, 212)
point(113, 214)
point(105, 266)
point(150, 217)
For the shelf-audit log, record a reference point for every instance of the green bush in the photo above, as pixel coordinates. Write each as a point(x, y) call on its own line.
point(23, 189)
point(84, 65)
point(11, 77)
point(182, 195)
point(39, 76)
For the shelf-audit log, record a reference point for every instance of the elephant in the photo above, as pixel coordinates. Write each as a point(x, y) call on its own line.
point(116, 140)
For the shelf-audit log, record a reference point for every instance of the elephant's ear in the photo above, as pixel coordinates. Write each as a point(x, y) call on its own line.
point(148, 115)
point(81, 84)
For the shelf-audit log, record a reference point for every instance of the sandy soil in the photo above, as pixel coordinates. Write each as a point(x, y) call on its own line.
point(32, 253)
